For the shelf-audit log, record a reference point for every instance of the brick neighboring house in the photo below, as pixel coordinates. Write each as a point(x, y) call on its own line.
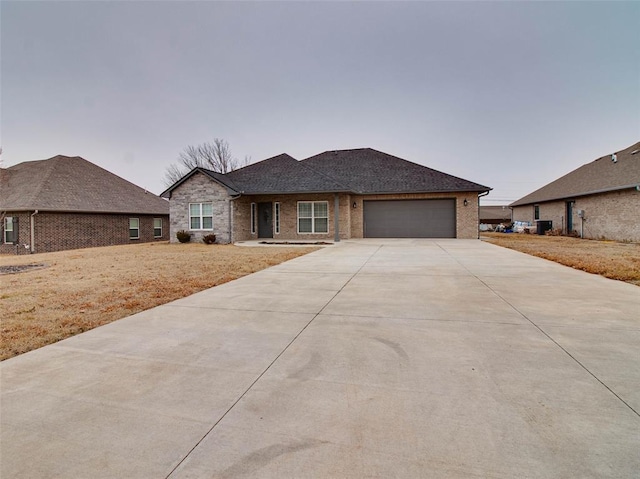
point(67, 202)
point(599, 200)
point(331, 196)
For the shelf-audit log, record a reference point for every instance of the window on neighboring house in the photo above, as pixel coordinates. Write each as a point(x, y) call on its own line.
point(253, 218)
point(313, 217)
point(201, 216)
point(157, 227)
point(134, 228)
point(536, 212)
point(277, 218)
point(10, 229)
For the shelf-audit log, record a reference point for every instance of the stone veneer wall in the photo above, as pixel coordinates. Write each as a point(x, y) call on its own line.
point(200, 189)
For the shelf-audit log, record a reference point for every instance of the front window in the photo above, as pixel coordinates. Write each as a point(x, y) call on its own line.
point(536, 212)
point(9, 230)
point(134, 228)
point(277, 218)
point(253, 218)
point(157, 227)
point(313, 217)
point(201, 216)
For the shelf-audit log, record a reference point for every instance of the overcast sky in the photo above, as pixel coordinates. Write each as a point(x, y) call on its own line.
point(511, 95)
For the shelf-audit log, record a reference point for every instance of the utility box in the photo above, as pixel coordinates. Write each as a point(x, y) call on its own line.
point(543, 225)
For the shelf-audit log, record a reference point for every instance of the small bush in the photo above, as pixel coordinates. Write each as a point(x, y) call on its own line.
point(209, 239)
point(183, 236)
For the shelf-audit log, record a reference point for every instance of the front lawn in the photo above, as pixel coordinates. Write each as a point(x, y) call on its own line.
point(79, 290)
point(611, 259)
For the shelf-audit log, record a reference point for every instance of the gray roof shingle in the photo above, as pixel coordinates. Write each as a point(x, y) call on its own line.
point(362, 171)
point(598, 176)
point(370, 171)
point(73, 184)
point(283, 174)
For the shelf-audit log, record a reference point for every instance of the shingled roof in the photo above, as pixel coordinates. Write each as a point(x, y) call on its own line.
point(599, 176)
point(73, 184)
point(370, 171)
point(361, 171)
point(283, 174)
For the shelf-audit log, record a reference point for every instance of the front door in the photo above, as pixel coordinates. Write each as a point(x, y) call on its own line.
point(265, 220)
point(569, 217)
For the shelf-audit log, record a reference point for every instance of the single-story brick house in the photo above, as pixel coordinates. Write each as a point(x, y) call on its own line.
point(599, 200)
point(331, 196)
point(67, 202)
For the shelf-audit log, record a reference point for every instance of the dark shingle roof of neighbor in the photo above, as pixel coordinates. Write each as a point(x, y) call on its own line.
point(73, 184)
point(366, 170)
point(599, 176)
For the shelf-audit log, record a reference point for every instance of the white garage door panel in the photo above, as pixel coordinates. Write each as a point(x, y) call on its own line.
point(410, 219)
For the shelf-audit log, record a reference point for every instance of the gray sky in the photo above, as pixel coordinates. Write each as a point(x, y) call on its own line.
point(511, 95)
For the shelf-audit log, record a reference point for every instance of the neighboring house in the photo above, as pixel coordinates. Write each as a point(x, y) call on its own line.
point(331, 196)
point(67, 202)
point(599, 200)
point(495, 215)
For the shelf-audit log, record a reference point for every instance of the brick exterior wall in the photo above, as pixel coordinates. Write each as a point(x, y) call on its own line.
point(200, 189)
point(64, 231)
point(351, 219)
point(612, 215)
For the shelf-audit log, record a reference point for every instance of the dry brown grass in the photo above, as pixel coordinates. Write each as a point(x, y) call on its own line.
point(610, 259)
point(82, 289)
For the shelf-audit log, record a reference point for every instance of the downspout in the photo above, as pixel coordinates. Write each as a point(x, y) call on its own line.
point(32, 221)
point(231, 216)
point(485, 193)
point(336, 218)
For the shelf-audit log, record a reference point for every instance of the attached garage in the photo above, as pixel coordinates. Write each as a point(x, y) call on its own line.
point(410, 218)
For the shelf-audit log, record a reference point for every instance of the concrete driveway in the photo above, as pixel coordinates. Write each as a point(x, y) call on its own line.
point(388, 358)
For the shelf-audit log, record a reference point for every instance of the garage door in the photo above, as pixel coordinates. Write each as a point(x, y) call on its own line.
point(410, 219)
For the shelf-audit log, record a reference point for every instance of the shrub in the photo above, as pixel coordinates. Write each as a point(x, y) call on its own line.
point(209, 239)
point(183, 236)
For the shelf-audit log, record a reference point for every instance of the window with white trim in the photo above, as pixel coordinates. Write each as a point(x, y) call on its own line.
point(313, 217)
point(276, 217)
point(10, 230)
point(253, 218)
point(134, 228)
point(201, 216)
point(157, 227)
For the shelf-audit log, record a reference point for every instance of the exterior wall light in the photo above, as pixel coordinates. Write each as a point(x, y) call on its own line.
point(355, 205)
point(466, 203)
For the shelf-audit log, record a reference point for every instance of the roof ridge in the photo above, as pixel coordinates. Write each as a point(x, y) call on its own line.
point(332, 178)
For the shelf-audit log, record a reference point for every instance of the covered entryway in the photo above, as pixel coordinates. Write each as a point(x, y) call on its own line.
point(265, 220)
point(410, 218)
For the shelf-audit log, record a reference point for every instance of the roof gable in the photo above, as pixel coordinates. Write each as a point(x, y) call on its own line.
point(598, 176)
point(366, 170)
point(73, 184)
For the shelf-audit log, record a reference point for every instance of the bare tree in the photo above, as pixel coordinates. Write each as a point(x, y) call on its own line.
point(215, 156)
